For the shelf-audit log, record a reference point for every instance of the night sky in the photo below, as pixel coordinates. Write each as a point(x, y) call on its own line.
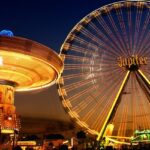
point(47, 22)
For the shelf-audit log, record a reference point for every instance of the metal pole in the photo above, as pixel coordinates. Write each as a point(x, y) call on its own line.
point(144, 77)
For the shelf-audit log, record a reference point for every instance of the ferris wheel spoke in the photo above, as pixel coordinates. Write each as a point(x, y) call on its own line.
point(92, 60)
point(97, 41)
point(143, 38)
point(111, 35)
point(122, 127)
point(114, 103)
point(100, 97)
point(143, 48)
point(146, 70)
point(137, 27)
point(86, 73)
point(84, 48)
point(144, 34)
point(98, 85)
point(146, 52)
point(143, 112)
point(112, 44)
point(106, 108)
point(118, 35)
point(143, 45)
point(123, 28)
point(132, 102)
point(103, 37)
point(89, 80)
point(129, 28)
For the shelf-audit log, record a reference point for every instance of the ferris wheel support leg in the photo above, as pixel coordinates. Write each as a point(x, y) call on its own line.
point(144, 77)
point(100, 135)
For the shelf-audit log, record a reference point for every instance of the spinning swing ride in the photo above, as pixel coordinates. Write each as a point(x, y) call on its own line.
point(25, 65)
point(105, 85)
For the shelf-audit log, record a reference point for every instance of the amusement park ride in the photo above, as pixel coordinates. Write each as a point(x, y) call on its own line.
point(24, 65)
point(105, 85)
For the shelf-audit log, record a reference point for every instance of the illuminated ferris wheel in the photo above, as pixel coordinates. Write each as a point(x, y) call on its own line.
point(106, 77)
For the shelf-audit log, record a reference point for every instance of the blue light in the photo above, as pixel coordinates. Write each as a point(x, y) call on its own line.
point(6, 33)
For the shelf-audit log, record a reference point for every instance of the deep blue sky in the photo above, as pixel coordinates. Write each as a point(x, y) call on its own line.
point(45, 21)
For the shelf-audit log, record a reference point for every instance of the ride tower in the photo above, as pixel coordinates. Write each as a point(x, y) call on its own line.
point(25, 65)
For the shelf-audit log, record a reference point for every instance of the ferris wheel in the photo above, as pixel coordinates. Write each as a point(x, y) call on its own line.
point(106, 77)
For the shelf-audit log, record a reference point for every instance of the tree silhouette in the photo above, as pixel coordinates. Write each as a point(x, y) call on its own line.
point(81, 135)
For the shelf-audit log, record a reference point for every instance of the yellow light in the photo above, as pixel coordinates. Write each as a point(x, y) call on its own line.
point(132, 137)
point(65, 142)
point(26, 143)
point(1, 61)
point(109, 130)
point(119, 137)
point(6, 131)
point(62, 92)
point(146, 79)
point(118, 142)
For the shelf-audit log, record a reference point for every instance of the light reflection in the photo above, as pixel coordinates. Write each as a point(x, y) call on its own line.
point(1, 60)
